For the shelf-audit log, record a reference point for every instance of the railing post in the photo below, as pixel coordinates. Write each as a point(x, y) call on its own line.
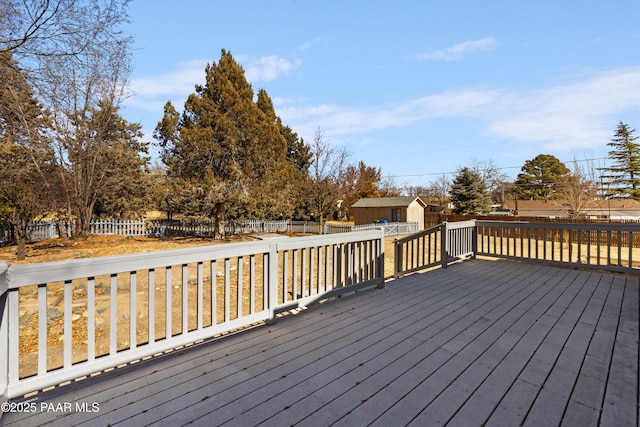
point(4, 335)
point(397, 262)
point(381, 258)
point(272, 282)
point(444, 245)
point(337, 268)
point(474, 239)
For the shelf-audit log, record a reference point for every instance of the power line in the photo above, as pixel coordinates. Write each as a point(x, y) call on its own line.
point(499, 168)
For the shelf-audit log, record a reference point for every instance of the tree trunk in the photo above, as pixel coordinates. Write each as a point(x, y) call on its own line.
point(20, 231)
point(218, 232)
point(84, 221)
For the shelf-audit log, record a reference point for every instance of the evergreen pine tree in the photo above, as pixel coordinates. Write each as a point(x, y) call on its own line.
point(26, 154)
point(623, 177)
point(227, 149)
point(104, 161)
point(469, 193)
point(539, 177)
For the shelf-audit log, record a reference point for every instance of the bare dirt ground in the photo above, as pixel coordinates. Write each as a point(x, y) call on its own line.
point(62, 249)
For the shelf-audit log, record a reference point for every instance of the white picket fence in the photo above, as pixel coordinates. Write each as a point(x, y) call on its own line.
point(41, 230)
point(119, 227)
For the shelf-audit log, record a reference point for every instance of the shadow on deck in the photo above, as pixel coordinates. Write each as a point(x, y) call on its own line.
point(479, 343)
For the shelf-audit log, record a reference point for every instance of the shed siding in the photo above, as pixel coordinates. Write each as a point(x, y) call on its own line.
point(368, 215)
point(363, 216)
point(415, 213)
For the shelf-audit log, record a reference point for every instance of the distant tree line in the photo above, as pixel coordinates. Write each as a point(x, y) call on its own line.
point(478, 188)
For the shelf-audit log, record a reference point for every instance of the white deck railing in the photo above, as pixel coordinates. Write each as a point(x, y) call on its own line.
point(601, 246)
point(64, 320)
point(612, 247)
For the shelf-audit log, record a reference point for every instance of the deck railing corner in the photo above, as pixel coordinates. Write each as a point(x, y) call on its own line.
point(435, 247)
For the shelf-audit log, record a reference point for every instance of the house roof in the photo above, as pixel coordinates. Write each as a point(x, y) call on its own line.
point(387, 202)
point(560, 204)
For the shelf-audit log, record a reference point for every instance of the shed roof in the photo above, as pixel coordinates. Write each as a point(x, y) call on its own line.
point(387, 202)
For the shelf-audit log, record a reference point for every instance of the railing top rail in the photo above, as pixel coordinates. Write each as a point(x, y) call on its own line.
point(419, 234)
point(461, 224)
point(30, 274)
point(330, 239)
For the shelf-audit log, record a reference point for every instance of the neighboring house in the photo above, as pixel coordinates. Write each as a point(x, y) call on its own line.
point(610, 208)
point(390, 209)
point(439, 207)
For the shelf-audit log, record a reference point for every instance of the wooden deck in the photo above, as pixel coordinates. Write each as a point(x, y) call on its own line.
point(479, 343)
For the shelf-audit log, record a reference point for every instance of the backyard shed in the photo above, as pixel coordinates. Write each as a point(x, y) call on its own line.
point(390, 209)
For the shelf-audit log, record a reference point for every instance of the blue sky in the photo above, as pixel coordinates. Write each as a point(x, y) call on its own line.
point(418, 88)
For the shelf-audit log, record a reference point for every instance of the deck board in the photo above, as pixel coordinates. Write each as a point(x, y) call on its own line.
point(481, 342)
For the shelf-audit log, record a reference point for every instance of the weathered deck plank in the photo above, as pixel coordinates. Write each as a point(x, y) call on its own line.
point(494, 345)
point(411, 333)
point(481, 342)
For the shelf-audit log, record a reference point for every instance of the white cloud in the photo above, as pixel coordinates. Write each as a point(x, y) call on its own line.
point(563, 117)
point(151, 92)
point(266, 68)
point(457, 51)
point(340, 121)
point(577, 115)
point(180, 81)
point(308, 45)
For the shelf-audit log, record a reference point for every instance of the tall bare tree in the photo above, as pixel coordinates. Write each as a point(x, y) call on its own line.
point(76, 57)
point(328, 164)
point(26, 154)
point(579, 187)
point(440, 188)
point(84, 90)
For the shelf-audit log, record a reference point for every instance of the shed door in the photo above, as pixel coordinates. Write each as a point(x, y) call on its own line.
point(396, 214)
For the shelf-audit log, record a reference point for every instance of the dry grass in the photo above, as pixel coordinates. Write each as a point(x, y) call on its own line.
point(63, 249)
